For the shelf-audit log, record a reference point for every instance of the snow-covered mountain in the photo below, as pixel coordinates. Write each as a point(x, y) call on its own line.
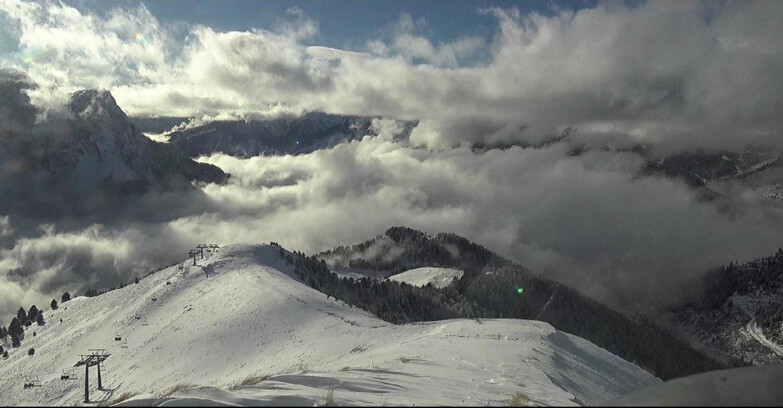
point(760, 170)
point(740, 314)
point(89, 149)
point(283, 135)
point(240, 327)
point(490, 287)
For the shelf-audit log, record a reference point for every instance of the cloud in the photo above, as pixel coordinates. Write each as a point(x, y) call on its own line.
point(407, 38)
point(582, 220)
point(679, 75)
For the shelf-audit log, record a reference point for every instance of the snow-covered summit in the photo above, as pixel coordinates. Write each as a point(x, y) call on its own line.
point(96, 105)
point(242, 315)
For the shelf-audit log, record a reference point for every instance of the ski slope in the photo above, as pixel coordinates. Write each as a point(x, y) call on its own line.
point(241, 313)
point(438, 277)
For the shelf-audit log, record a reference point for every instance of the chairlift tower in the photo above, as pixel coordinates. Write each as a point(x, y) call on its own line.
point(193, 254)
point(95, 358)
point(200, 248)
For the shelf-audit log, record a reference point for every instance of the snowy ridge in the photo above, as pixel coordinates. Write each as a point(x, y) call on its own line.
point(242, 312)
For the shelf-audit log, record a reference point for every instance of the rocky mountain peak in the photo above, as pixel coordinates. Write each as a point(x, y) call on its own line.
point(96, 105)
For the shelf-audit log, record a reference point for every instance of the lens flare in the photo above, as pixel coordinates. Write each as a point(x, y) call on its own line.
point(520, 291)
point(34, 54)
point(140, 38)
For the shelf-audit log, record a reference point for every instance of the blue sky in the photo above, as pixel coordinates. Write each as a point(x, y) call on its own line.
point(343, 24)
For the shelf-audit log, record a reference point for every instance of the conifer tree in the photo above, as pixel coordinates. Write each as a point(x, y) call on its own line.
point(40, 319)
point(21, 315)
point(54, 304)
point(15, 327)
point(66, 297)
point(33, 313)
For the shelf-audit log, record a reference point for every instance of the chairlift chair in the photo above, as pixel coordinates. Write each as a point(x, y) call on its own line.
point(68, 375)
point(30, 382)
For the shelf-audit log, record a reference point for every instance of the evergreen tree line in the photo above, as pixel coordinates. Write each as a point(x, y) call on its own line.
point(721, 283)
point(401, 248)
point(392, 301)
point(762, 274)
point(489, 292)
point(24, 319)
point(633, 338)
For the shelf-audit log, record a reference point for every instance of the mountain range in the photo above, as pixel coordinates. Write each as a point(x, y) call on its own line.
point(281, 135)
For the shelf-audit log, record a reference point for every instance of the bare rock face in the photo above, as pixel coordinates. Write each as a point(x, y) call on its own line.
point(86, 156)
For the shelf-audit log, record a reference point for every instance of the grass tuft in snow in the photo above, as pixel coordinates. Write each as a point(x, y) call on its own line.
point(519, 399)
point(405, 359)
point(346, 368)
point(330, 398)
point(359, 348)
point(250, 380)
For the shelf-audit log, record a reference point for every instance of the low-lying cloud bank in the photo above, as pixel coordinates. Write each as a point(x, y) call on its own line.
point(582, 220)
point(681, 75)
point(676, 75)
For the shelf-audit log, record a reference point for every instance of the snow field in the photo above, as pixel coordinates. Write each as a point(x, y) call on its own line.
point(241, 313)
point(438, 277)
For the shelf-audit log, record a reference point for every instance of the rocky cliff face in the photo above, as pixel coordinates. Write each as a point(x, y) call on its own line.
point(91, 149)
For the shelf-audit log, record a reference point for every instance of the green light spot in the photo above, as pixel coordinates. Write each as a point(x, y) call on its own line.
point(520, 290)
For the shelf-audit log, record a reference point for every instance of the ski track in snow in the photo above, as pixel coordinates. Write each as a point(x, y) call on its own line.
point(251, 316)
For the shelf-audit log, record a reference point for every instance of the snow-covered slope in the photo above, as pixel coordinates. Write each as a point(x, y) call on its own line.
point(746, 386)
point(438, 277)
point(242, 313)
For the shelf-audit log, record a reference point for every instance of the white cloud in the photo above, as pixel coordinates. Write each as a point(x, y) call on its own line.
point(582, 220)
point(660, 72)
point(656, 72)
point(5, 226)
